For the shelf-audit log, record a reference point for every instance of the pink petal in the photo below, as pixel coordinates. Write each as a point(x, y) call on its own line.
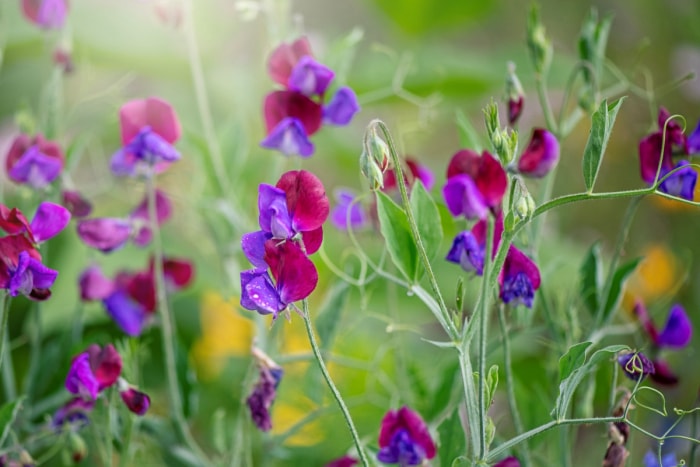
point(312, 240)
point(104, 234)
point(153, 112)
point(306, 199)
point(49, 220)
point(283, 59)
point(279, 105)
point(106, 364)
point(294, 272)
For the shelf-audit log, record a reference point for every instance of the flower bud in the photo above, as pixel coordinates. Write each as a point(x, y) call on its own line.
point(540, 47)
point(374, 159)
point(541, 154)
point(525, 206)
point(514, 95)
point(77, 446)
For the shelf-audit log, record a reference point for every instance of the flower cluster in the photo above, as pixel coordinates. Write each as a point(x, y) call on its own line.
point(21, 269)
point(404, 439)
point(475, 188)
point(657, 151)
point(291, 217)
point(296, 112)
point(130, 298)
point(90, 374)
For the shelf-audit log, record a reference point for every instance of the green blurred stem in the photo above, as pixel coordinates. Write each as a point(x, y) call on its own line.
point(331, 384)
point(444, 316)
point(168, 326)
point(541, 85)
point(202, 98)
point(526, 457)
point(8, 373)
point(694, 434)
point(483, 317)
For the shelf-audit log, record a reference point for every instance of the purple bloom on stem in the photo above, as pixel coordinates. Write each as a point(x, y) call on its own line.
point(678, 330)
point(649, 154)
point(342, 107)
point(310, 77)
point(31, 278)
point(74, 411)
point(475, 183)
point(635, 365)
point(693, 141)
point(467, 252)
point(78, 206)
point(126, 312)
point(36, 169)
point(80, 379)
point(508, 462)
point(463, 198)
point(106, 364)
point(94, 285)
point(145, 151)
point(651, 459)
point(105, 234)
point(681, 182)
point(541, 154)
point(404, 438)
point(280, 105)
point(519, 278)
point(348, 213)
point(265, 390)
point(136, 401)
point(47, 14)
point(289, 138)
point(285, 57)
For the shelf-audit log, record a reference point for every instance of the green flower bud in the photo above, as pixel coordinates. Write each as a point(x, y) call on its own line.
point(540, 47)
point(374, 159)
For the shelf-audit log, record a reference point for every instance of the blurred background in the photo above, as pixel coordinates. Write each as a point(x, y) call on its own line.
point(414, 65)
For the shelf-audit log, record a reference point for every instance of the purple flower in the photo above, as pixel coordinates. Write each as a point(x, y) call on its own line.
point(651, 459)
point(80, 379)
point(310, 77)
point(342, 107)
point(467, 252)
point(519, 278)
point(265, 390)
point(36, 169)
point(94, 285)
point(404, 438)
point(541, 154)
point(105, 233)
point(285, 57)
point(48, 221)
point(78, 206)
point(348, 213)
point(141, 218)
point(144, 152)
point(47, 14)
point(677, 331)
point(508, 462)
point(75, 411)
point(289, 138)
point(635, 365)
point(475, 184)
point(651, 146)
point(294, 274)
point(136, 401)
point(681, 182)
point(30, 277)
point(693, 141)
point(281, 105)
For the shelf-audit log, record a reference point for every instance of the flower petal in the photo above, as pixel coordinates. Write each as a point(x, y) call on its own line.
point(105, 234)
point(153, 112)
point(36, 169)
point(294, 272)
point(106, 364)
point(258, 293)
point(80, 379)
point(342, 107)
point(306, 199)
point(274, 216)
point(94, 285)
point(49, 220)
point(310, 77)
point(463, 198)
point(677, 331)
point(279, 105)
point(285, 57)
point(541, 154)
point(253, 246)
point(136, 401)
point(289, 138)
point(126, 313)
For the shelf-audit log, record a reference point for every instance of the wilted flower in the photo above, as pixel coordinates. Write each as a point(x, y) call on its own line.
point(265, 390)
point(34, 161)
point(404, 438)
point(635, 365)
point(541, 154)
point(475, 184)
point(47, 14)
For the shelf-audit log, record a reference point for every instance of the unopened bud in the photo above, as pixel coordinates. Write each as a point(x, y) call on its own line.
point(540, 47)
point(78, 447)
point(525, 206)
point(374, 159)
point(514, 95)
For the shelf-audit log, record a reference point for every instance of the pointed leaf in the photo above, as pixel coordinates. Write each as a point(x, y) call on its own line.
point(602, 122)
point(452, 440)
point(573, 359)
point(427, 218)
point(394, 227)
point(591, 279)
point(618, 281)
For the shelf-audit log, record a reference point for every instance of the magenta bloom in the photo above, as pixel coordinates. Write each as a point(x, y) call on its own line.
point(416, 171)
point(635, 365)
point(34, 161)
point(78, 206)
point(515, 108)
point(93, 371)
point(345, 461)
point(292, 277)
point(519, 278)
point(474, 185)
point(149, 128)
point(346, 213)
point(47, 14)
point(285, 57)
point(508, 462)
point(94, 285)
point(404, 438)
point(136, 401)
point(541, 154)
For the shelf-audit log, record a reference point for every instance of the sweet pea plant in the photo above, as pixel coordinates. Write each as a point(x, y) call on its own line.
point(456, 272)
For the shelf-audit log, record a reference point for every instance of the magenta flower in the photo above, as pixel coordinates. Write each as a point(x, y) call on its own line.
point(93, 371)
point(663, 374)
point(635, 365)
point(34, 161)
point(541, 154)
point(474, 185)
point(508, 462)
point(285, 57)
point(348, 213)
point(136, 401)
point(404, 439)
point(515, 109)
point(677, 331)
point(292, 277)
point(149, 128)
point(345, 461)
point(47, 14)
point(416, 171)
point(78, 206)
point(265, 390)
point(519, 278)
point(94, 285)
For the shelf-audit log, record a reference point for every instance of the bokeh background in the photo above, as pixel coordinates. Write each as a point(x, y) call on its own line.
point(413, 64)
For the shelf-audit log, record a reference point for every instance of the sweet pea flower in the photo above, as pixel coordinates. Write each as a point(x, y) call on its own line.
point(541, 154)
point(508, 462)
point(74, 412)
point(519, 278)
point(342, 107)
point(94, 285)
point(93, 371)
point(681, 182)
point(469, 247)
point(693, 141)
point(34, 161)
point(289, 137)
point(47, 14)
point(651, 459)
point(404, 439)
point(677, 331)
point(635, 365)
point(310, 77)
point(78, 206)
point(348, 213)
point(285, 57)
point(265, 390)
point(475, 184)
point(416, 171)
point(136, 401)
point(149, 128)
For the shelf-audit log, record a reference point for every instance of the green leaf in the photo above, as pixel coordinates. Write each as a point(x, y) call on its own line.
point(330, 312)
point(417, 17)
point(573, 367)
point(591, 279)
point(660, 400)
point(468, 136)
point(602, 122)
point(618, 281)
point(491, 385)
point(8, 414)
point(399, 243)
point(427, 218)
point(452, 440)
point(446, 390)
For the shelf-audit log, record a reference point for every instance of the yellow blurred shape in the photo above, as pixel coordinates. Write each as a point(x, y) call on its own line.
point(225, 333)
point(285, 414)
point(655, 277)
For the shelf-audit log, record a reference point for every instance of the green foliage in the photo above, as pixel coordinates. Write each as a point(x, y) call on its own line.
point(8, 414)
point(601, 127)
point(393, 224)
point(616, 287)
point(592, 279)
point(428, 220)
point(452, 438)
point(421, 16)
point(468, 136)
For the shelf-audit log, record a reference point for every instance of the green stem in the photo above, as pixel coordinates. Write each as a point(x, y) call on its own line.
point(444, 316)
point(4, 319)
point(8, 374)
point(331, 384)
point(125, 454)
point(526, 457)
point(470, 396)
point(167, 326)
point(694, 434)
point(549, 119)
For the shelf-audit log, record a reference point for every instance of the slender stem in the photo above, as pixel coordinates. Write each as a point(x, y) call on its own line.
point(470, 396)
point(526, 457)
point(564, 444)
point(444, 316)
point(8, 374)
point(483, 336)
point(549, 119)
point(694, 434)
point(200, 91)
point(4, 319)
point(331, 384)
point(167, 326)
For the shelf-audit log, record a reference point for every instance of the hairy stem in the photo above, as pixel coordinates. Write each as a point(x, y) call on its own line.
point(331, 385)
point(167, 326)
